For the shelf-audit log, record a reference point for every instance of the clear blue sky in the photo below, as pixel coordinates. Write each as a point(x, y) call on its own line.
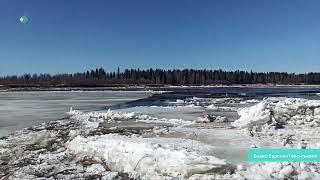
point(76, 35)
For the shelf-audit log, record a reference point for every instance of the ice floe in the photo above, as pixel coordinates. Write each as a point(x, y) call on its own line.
point(211, 118)
point(145, 158)
point(291, 122)
point(93, 119)
point(250, 101)
point(221, 108)
point(294, 111)
point(257, 114)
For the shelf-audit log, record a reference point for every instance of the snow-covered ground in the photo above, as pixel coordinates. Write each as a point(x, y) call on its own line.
point(192, 138)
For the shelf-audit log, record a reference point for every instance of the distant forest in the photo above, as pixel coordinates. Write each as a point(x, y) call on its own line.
point(99, 77)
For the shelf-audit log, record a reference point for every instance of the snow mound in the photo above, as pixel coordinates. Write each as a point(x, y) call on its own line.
point(146, 157)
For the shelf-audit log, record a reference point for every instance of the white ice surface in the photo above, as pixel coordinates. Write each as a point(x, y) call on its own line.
point(24, 109)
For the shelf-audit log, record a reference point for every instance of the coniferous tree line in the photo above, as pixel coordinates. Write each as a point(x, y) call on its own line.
point(99, 77)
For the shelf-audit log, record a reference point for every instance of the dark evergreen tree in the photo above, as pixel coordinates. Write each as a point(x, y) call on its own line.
point(99, 77)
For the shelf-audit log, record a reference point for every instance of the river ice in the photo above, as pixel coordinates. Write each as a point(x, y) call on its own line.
point(166, 142)
point(24, 109)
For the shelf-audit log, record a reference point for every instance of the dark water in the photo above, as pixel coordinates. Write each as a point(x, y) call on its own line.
point(224, 92)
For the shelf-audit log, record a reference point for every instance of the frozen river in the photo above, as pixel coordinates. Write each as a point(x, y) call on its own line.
point(192, 133)
point(24, 109)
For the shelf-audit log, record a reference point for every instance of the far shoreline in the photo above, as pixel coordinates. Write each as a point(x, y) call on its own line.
point(148, 87)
